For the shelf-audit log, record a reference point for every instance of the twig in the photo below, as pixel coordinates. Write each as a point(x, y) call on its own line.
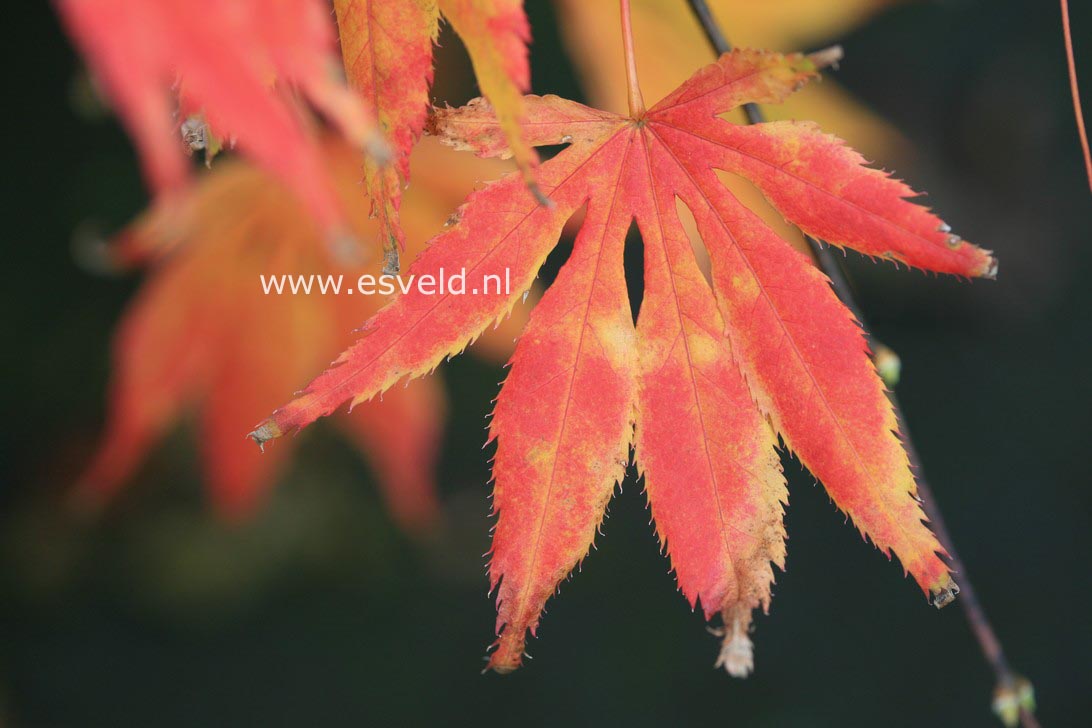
point(1012, 697)
point(1071, 63)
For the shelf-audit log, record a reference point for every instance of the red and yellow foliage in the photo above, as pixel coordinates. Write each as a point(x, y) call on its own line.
point(710, 375)
point(740, 343)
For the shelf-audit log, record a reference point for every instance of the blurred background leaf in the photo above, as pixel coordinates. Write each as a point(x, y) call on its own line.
point(205, 334)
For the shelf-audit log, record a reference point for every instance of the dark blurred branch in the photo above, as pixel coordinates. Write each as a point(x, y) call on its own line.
point(1013, 696)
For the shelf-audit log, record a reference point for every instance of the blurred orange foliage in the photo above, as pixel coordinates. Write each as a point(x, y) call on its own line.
point(202, 335)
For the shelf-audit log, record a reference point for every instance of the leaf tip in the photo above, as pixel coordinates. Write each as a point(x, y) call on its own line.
point(944, 594)
point(990, 271)
point(93, 253)
point(509, 653)
point(391, 261)
point(827, 57)
point(737, 652)
point(266, 431)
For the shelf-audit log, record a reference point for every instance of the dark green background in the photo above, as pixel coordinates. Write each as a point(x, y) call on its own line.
point(321, 612)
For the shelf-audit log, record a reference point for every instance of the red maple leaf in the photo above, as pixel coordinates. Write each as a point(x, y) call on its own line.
point(709, 377)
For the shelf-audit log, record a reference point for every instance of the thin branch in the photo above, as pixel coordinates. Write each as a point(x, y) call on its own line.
point(1075, 90)
point(1012, 697)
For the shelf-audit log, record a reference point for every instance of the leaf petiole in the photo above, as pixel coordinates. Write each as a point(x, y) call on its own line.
point(636, 100)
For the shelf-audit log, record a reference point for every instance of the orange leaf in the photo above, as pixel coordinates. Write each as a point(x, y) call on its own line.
point(706, 367)
point(202, 334)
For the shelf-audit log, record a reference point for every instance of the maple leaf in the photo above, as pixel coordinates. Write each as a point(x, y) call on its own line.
point(387, 50)
point(710, 375)
point(203, 334)
point(221, 57)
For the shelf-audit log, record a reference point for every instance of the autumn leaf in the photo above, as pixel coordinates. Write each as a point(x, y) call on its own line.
point(203, 335)
point(232, 63)
point(387, 49)
point(711, 374)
